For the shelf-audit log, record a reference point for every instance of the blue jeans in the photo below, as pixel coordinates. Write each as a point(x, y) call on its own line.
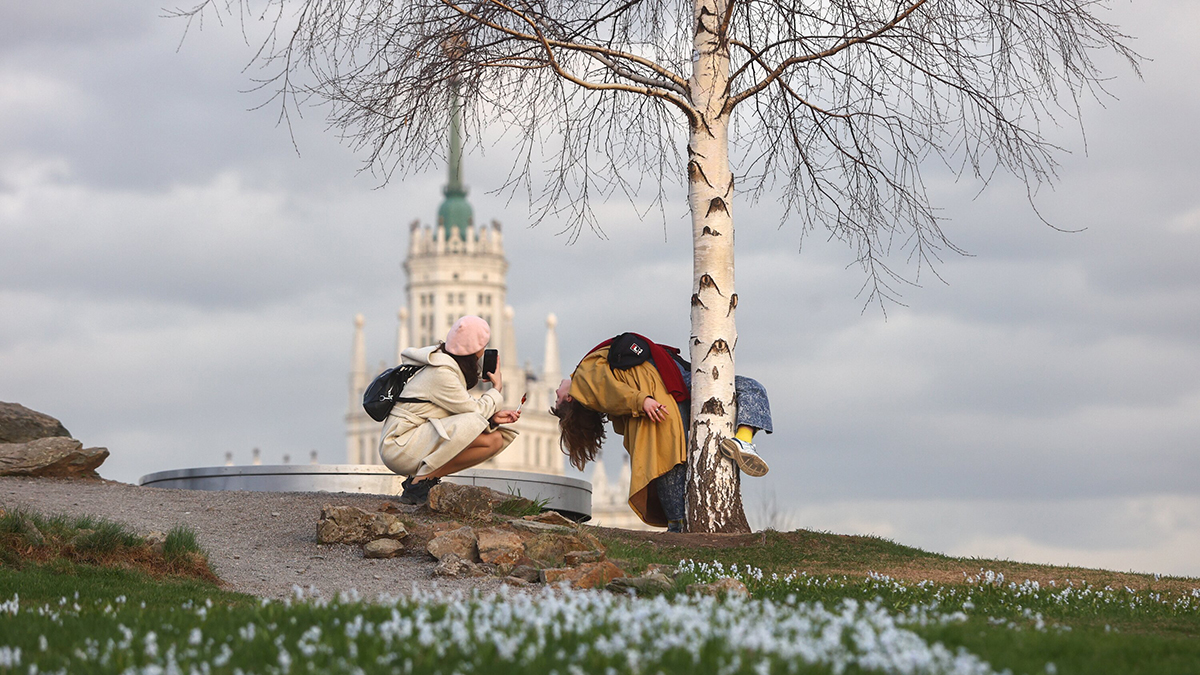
point(753, 410)
point(753, 407)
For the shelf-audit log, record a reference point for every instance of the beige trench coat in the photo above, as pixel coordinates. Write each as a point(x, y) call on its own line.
point(418, 438)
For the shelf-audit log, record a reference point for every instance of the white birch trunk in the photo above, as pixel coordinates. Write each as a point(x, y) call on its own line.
point(714, 486)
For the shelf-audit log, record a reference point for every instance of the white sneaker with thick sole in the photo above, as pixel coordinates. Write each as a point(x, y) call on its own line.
point(747, 459)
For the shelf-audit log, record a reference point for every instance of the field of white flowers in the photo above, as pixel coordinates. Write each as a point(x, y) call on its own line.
point(793, 624)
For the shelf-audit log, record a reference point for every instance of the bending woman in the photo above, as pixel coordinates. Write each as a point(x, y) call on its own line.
point(646, 401)
point(447, 430)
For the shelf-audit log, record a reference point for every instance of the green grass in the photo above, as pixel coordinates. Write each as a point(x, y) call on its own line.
point(48, 583)
point(180, 542)
point(107, 620)
point(31, 538)
point(519, 507)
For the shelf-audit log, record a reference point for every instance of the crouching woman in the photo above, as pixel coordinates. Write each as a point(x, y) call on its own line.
point(438, 427)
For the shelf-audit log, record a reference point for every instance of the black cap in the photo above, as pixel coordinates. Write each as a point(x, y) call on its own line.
point(628, 350)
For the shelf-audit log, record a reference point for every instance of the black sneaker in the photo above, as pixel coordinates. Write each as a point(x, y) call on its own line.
point(417, 494)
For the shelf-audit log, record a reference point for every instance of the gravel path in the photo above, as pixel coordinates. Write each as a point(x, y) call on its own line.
point(262, 543)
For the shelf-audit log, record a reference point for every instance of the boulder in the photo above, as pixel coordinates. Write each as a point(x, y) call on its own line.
point(551, 548)
point(454, 566)
point(351, 525)
point(526, 573)
point(726, 586)
point(537, 527)
point(382, 548)
point(577, 558)
point(19, 424)
point(461, 543)
point(52, 457)
point(552, 518)
point(500, 547)
point(592, 575)
point(653, 583)
point(463, 501)
point(156, 540)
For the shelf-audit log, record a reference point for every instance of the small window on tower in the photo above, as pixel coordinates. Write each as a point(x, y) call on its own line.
point(449, 298)
point(462, 298)
point(449, 320)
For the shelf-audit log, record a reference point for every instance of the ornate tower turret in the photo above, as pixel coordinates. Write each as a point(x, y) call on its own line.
point(455, 214)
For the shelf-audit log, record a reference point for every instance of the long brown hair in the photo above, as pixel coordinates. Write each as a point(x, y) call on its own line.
point(582, 431)
point(469, 365)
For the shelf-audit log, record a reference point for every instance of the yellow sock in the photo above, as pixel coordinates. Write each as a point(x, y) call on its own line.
point(745, 434)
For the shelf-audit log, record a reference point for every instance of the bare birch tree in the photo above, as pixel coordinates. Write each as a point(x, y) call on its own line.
point(834, 104)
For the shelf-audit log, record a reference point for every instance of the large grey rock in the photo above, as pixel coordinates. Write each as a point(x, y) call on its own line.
point(351, 525)
point(453, 566)
point(19, 424)
point(500, 547)
point(537, 527)
point(382, 548)
point(654, 583)
point(464, 501)
point(54, 457)
point(461, 543)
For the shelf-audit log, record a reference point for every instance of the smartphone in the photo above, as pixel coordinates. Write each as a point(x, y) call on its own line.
point(490, 356)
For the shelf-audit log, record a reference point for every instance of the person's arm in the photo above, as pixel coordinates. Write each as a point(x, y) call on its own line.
point(448, 392)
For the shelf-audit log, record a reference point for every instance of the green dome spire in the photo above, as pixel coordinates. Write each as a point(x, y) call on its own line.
point(455, 212)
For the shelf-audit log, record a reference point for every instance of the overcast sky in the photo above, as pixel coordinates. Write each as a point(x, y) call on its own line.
point(177, 282)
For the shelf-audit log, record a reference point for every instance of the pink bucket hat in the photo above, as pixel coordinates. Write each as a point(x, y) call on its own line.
point(467, 336)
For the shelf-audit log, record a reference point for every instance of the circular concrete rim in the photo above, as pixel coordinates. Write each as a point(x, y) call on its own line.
point(570, 496)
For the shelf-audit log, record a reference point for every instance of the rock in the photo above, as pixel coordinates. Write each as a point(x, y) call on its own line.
point(653, 583)
point(517, 582)
point(461, 543)
point(397, 507)
point(538, 527)
point(500, 547)
point(155, 540)
point(464, 501)
point(527, 573)
point(592, 575)
point(552, 518)
point(19, 424)
point(382, 548)
point(577, 558)
point(725, 586)
point(454, 566)
point(550, 548)
point(53, 457)
point(668, 571)
point(352, 525)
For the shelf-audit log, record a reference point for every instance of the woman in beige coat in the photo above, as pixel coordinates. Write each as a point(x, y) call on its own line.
point(449, 429)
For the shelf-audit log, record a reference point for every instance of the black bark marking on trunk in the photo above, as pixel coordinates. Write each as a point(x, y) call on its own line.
point(716, 374)
point(697, 302)
point(695, 340)
point(706, 282)
point(716, 205)
point(720, 346)
point(713, 407)
point(729, 190)
point(696, 173)
point(710, 232)
point(732, 304)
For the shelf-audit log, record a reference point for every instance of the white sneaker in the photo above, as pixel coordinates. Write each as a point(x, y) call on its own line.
point(747, 459)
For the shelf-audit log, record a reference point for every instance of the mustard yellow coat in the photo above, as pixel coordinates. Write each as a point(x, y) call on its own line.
point(653, 447)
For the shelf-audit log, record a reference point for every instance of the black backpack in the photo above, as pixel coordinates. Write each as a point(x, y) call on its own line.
point(384, 391)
